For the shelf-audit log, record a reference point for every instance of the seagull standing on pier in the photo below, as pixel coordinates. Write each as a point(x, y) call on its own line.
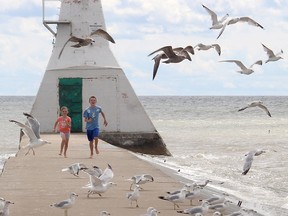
point(200, 210)
point(32, 132)
point(176, 198)
point(66, 204)
point(5, 210)
point(151, 211)
point(134, 195)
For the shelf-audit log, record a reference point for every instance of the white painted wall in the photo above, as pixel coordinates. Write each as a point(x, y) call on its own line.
point(115, 95)
point(96, 65)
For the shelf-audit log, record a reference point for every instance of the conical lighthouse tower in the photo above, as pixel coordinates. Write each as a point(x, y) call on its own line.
point(78, 73)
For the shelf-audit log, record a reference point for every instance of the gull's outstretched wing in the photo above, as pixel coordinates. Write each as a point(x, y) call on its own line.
point(148, 177)
point(34, 124)
point(239, 63)
point(259, 62)
point(212, 14)
point(269, 52)
point(222, 30)
point(157, 60)
point(27, 130)
point(94, 171)
point(188, 48)
point(248, 162)
point(107, 174)
point(265, 109)
point(103, 34)
point(61, 204)
point(243, 108)
point(94, 181)
point(71, 39)
point(250, 21)
point(217, 48)
point(168, 50)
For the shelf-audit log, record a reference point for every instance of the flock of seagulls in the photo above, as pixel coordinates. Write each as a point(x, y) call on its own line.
point(98, 178)
point(174, 56)
point(100, 181)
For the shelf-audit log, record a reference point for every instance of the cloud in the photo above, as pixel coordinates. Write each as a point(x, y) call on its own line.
point(142, 26)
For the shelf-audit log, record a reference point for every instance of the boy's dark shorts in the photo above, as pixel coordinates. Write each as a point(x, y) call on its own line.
point(91, 134)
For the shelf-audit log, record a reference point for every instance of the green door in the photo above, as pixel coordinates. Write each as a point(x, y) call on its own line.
point(70, 95)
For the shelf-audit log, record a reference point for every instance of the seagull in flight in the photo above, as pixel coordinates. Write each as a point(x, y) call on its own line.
point(87, 41)
point(216, 24)
point(101, 184)
point(75, 168)
point(66, 204)
point(271, 55)
point(175, 55)
point(141, 179)
point(257, 104)
point(244, 69)
point(34, 124)
point(33, 132)
point(249, 159)
point(246, 19)
point(201, 46)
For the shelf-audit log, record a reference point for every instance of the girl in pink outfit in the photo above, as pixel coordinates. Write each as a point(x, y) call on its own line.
point(64, 125)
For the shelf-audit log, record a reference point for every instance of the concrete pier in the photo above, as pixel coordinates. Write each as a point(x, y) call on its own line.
point(35, 182)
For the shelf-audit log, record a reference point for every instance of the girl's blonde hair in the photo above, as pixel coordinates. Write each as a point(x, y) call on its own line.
point(63, 107)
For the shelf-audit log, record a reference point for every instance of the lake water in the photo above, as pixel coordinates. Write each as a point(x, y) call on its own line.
point(208, 139)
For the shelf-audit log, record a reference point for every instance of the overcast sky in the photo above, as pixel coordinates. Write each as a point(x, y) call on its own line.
point(142, 26)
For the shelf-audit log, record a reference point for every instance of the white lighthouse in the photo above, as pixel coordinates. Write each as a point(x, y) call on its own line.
point(78, 73)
